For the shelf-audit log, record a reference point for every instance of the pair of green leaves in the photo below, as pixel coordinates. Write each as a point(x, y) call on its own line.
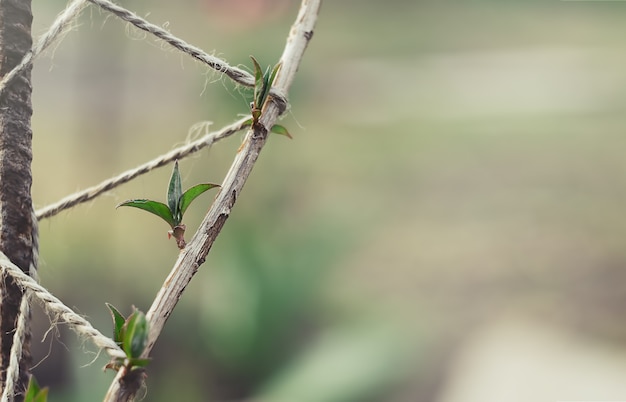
point(131, 334)
point(262, 84)
point(35, 393)
point(177, 203)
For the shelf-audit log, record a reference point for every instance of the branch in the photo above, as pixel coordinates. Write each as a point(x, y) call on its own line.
point(109, 184)
point(198, 247)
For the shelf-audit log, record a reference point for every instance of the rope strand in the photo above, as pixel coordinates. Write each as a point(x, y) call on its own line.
point(62, 24)
point(55, 308)
point(13, 371)
point(236, 74)
point(178, 153)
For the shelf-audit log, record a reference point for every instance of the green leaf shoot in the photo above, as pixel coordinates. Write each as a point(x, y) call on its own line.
point(264, 89)
point(275, 71)
point(35, 393)
point(177, 204)
point(174, 193)
point(132, 335)
point(118, 323)
point(258, 80)
point(135, 335)
point(268, 81)
point(157, 208)
point(192, 193)
point(262, 85)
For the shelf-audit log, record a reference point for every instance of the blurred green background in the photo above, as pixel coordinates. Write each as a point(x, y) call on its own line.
point(446, 225)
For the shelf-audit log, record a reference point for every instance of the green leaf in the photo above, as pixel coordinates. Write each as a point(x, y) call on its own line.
point(35, 393)
point(247, 123)
point(33, 389)
point(264, 89)
point(278, 129)
point(258, 72)
point(192, 193)
point(42, 396)
point(258, 82)
point(118, 322)
point(274, 74)
point(135, 335)
point(158, 208)
point(268, 80)
point(174, 192)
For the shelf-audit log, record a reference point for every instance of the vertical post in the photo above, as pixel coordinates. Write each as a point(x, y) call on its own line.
point(16, 219)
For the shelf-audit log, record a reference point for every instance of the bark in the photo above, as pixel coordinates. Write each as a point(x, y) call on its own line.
point(16, 222)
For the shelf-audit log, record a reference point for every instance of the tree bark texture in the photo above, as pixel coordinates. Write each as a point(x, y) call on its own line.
point(16, 219)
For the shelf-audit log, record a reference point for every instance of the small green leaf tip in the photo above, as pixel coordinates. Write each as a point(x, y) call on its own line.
point(282, 130)
point(118, 324)
point(174, 193)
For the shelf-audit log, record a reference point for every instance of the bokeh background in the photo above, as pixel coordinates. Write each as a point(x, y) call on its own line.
point(447, 225)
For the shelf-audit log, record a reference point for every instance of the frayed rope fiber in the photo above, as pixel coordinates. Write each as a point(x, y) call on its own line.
point(57, 310)
point(61, 25)
point(178, 153)
point(64, 22)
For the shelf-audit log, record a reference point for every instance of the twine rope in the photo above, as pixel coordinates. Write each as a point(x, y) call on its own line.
point(21, 327)
point(236, 74)
point(106, 185)
point(56, 310)
point(13, 370)
point(63, 24)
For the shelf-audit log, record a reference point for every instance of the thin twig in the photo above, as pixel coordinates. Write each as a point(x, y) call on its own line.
point(57, 310)
point(106, 185)
point(198, 247)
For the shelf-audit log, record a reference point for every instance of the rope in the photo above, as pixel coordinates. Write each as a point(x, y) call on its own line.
point(178, 153)
point(57, 310)
point(61, 25)
point(21, 327)
point(13, 371)
point(238, 75)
